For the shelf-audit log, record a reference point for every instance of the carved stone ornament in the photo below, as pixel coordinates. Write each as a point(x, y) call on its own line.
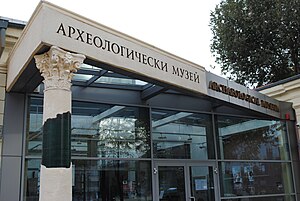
point(57, 67)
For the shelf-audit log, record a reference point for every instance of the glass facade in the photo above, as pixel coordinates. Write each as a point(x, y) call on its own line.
point(254, 158)
point(98, 130)
point(173, 187)
point(255, 178)
point(182, 135)
point(0, 154)
point(252, 139)
point(115, 147)
point(100, 180)
point(269, 198)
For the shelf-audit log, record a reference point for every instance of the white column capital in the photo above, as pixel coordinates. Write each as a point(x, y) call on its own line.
point(57, 67)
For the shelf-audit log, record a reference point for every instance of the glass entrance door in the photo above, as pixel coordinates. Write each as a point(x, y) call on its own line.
point(184, 182)
point(201, 182)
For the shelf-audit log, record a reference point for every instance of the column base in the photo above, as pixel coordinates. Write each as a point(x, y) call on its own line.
point(55, 184)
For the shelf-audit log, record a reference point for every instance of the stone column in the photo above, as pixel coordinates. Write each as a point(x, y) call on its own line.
point(57, 67)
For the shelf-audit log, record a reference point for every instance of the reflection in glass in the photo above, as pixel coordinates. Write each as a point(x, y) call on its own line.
point(35, 137)
point(98, 130)
point(0, 156)
point(89, 67)
point(112, 180)
point(110, 131)
point(269, 198)
point(171, 183)
point(122, 81)
point(81, 77)
point(252, 139)
point(202, 183)
point(182, 135)
point(255, 178)
point(108, 77)
point(104, 180)
point(32, 174)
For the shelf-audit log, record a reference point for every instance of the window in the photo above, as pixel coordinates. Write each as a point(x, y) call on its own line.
point(98, 130)
point(100, 180)
point(252, 139)
point(182, 135)
point(255, 178)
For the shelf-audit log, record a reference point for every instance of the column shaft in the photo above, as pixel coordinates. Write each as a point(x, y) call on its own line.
point(57, 67)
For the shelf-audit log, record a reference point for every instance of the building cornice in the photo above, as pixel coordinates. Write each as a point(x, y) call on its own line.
point(282, 89)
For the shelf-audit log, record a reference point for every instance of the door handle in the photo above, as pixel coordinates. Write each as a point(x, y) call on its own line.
point(192, 198)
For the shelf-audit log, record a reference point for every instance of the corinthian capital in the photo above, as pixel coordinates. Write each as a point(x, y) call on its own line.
point(57, 67)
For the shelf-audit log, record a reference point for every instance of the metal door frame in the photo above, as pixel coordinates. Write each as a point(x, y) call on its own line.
point(185, 165)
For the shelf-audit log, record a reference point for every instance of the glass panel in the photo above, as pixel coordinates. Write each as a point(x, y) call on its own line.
point(98, 130)
point(112, 180)
point(110, 131)
point(202, 183)
point(34, 138)
point(255, 178)
point(81, 77)
point(171, 183)
point(1, 138)
point(182, 135)
point(108, 77)
point(32, 180)
point(122, 81)
point(100, 180)
point(89, 67)
point(277, 198)
point(252, 139)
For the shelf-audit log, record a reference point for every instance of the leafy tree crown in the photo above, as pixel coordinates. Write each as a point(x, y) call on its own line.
point(256, 42)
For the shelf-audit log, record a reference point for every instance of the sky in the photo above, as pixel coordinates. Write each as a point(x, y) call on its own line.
point(180, 27)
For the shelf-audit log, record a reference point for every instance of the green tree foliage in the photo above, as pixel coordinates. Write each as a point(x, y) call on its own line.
point(257, 41)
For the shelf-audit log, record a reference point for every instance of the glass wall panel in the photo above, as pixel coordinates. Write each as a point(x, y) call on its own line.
point(98, 130)
point(255, 178)
point(268, 198)
point(123, 81)
point(112, 180)
point(202, 183)
point(0, 159)
point(32, 179)
point(110, 131)
point(183, 135)
point(34, 136)
point(252, 139)
point(103, 180)
point(171, 183)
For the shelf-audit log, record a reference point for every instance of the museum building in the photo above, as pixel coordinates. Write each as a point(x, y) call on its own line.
point(89, 113)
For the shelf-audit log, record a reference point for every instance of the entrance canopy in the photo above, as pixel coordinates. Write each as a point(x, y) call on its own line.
point(108, 50)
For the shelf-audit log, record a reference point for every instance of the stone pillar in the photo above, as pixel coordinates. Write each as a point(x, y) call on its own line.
point(57, 67)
